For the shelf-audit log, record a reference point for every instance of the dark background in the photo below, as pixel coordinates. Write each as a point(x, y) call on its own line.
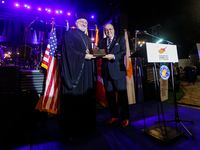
point(179, 20)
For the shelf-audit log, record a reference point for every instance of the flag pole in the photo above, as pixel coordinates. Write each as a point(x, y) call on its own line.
point(67, 25)
point(53, 23)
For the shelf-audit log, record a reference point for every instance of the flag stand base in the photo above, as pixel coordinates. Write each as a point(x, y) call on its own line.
point(158, 131)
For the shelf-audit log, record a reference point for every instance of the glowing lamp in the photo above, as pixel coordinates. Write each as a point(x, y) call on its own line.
point(159, 41)
point(16, 5)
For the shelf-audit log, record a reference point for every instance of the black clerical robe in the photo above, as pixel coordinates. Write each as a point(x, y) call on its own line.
point(77, 97)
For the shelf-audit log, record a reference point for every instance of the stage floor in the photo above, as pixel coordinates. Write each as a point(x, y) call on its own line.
point(39, 131)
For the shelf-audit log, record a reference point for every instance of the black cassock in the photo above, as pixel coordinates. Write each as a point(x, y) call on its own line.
point(78, 109)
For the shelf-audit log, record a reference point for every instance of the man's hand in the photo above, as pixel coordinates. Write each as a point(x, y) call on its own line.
point(109, 56)
point(89, 56)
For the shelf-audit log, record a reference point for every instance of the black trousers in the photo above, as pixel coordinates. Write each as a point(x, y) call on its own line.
point(119, 86)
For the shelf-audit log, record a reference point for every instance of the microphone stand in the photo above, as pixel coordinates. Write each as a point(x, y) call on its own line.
point(25, 30)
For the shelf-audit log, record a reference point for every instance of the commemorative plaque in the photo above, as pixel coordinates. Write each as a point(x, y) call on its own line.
point(98, 52)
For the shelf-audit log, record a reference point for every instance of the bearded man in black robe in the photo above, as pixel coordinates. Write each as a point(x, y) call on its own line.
point(77, 108)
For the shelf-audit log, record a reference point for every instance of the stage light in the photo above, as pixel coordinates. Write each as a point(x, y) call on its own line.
point(27, 6)
point(48, 10)
point(68, 13)
point(39, 9)
point(2, 2)
point(92, 17)
point(141, 43)
point(159, 41)
point(61, 11)
point(92, 39)
point(56, 12)
point(16, 5)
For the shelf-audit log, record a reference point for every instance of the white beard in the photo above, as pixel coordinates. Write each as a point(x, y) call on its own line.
point(81, 28)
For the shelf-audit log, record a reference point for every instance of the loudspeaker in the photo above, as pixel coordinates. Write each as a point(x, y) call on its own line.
point(9, 79)
point(32, 80)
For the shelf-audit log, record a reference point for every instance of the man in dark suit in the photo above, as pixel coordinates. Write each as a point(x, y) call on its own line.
point(114, 74)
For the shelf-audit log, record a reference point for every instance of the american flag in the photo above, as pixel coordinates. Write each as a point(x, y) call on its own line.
point(52, 89)
point(46, 58)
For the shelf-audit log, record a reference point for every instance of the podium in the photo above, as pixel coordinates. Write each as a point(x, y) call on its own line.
point(165, 53)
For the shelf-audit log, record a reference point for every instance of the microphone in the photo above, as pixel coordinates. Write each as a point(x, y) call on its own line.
point(141, 32)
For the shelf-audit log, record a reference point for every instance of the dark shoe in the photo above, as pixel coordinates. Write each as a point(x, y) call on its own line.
point(112, 120)
point(125, 123)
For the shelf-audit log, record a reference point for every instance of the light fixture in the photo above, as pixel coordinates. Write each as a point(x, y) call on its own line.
point(159, 41)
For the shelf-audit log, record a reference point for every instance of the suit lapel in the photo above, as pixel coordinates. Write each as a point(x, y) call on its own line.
point(113, 43)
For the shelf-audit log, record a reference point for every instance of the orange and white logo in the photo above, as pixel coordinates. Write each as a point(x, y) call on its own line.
point(162, 50)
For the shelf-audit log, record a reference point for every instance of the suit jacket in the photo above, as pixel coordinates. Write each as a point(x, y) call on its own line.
point(116, 67)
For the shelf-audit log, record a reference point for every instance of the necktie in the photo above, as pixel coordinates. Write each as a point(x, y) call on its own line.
point(108, 45)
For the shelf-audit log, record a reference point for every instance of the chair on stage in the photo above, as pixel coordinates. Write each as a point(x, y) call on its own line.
point(24, 57)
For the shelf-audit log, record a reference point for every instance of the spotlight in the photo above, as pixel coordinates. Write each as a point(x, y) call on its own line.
point(48, 10)
point(92, 16)
point(68, 13)
point(2, 2)
point(159, 41)
point(56, 12)
point(16, 5)
point(27, 6)
point(61, 11)
point(39, 9)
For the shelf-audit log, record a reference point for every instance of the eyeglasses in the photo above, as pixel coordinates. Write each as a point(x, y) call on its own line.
point(110, 29)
